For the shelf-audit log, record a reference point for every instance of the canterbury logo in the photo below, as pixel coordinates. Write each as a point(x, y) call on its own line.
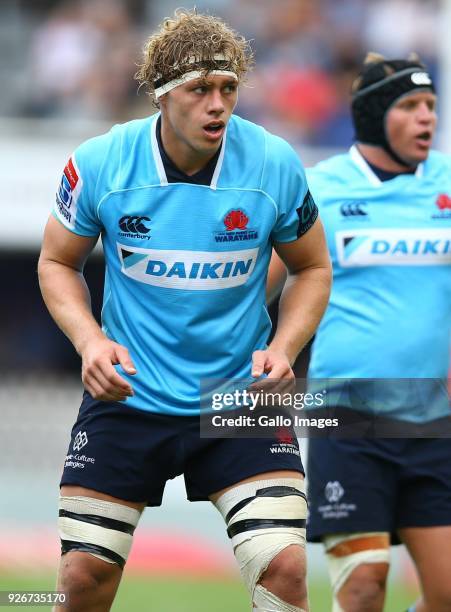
point(353, 209)
point(421, 78)
point(134, 224)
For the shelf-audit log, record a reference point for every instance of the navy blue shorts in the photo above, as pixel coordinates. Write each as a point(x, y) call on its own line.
point(130, 454)
point(377, 485)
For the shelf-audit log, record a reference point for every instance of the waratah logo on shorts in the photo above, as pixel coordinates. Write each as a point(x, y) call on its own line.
point(236, 229)
point(81, 439)
point(285, 442)
point(333, 491)
point(284, 435)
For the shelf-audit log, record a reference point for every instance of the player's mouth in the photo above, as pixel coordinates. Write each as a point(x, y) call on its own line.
point(424, 139)
point(214, 130)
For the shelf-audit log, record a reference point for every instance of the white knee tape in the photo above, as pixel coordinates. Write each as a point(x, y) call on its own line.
point(264, 517)
point(340, 568)
point(102, 528)
point(336, 606)
point(265, 601)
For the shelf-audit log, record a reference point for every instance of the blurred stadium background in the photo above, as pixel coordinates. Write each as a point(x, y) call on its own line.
point(66, 73)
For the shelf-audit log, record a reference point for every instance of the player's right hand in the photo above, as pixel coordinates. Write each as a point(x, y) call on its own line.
point(98, 374)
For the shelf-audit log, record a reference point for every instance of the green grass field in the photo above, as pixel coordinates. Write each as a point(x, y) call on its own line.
point(141, 594)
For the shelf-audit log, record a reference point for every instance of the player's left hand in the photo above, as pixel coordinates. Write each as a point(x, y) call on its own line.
point(272, 362)
point(275, 364)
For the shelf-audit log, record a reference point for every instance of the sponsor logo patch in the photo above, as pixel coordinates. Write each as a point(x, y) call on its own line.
point(394, 247)
point(80, 440)
point(353, 209)
point(333, 491)
point(335, 508)
point(68, 193)
point(134, 226)
point(307, 213)
point(79, 461)
point(187, 270)
point(421, 78)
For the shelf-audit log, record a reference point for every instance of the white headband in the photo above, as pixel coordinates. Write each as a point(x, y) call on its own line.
point(194, 74)
point(190, 76)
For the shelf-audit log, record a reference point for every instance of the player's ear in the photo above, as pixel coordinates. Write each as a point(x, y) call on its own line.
point(163, 101)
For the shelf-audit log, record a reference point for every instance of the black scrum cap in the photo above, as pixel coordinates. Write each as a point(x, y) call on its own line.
point(380, 84)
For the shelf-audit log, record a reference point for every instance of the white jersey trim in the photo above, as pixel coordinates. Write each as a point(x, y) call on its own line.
point(216, 173)
point(156, 152)
point(364, 167)
point(159, 162)
point(156, 186)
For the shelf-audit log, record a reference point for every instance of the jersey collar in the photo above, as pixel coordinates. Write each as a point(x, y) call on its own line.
point(364, 167)
point(159, 162)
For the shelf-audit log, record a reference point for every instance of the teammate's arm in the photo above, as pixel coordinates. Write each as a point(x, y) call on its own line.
point(67, 297)
point(302, 303)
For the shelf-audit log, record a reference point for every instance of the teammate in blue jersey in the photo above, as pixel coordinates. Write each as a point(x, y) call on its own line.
point(189, 203)
point(386, 207)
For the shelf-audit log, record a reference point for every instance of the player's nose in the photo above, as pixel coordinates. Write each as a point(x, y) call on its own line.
point(215, 102)
point(425, 114)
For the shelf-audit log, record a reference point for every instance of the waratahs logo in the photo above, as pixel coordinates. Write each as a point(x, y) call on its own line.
point(284, 435)
point(236, 219)
point(134, 226)
point(235, 223)
point(443, 203)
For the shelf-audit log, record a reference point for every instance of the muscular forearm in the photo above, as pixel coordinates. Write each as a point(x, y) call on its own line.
point(67, 297)
point(302, 304)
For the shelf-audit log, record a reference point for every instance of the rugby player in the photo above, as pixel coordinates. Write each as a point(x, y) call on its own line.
point(386, 207)
point(189, 203)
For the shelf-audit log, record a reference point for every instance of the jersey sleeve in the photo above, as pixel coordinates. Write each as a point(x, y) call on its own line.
point(296, 208)
point(321, 183)
point(78, 194)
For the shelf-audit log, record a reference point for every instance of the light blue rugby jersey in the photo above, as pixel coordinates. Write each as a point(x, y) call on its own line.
point(186, 264)
point(390, 310)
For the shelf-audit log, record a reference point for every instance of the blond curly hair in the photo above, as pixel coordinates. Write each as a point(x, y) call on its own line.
point(190, 40)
